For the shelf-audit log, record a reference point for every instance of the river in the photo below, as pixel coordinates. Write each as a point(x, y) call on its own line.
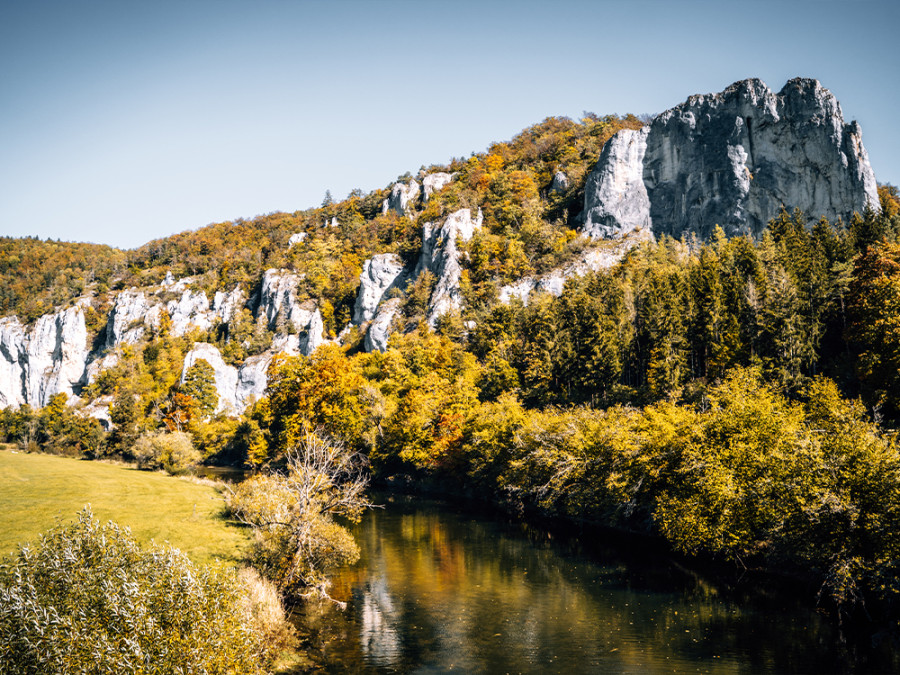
point(441, 589)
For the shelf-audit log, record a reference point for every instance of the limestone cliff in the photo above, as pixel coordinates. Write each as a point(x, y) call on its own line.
point(380, 274)
point(441, 257)
point(49, 359)
point(297, 325)
point(733, 159)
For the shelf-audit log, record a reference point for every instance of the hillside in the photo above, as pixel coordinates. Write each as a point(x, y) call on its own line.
point(643, 325)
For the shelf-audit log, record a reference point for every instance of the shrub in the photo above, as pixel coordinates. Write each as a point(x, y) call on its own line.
point(86, 598)
point(293, 515)
point(173, 452)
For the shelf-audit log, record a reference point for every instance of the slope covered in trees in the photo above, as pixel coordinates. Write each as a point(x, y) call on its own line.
point(735, 397)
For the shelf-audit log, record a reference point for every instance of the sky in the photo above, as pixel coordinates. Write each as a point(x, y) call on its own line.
point(122, 122)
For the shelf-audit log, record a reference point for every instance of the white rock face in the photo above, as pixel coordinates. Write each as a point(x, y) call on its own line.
point(440, 256)
point(278, 303)
point(252, 381)
point(226, 305)
point(296, 239)
point(733, 159)
point(592, 260)
point(189, 312)
point(278, 297)
point(238, 388)
point(560, 182)
point(402, 199)
point(380, 329)
point(49, 359)
point(126, 320)
point(12, 363)
point(134, 311)
point(619, 199)
point(380, 273)
point(99, 410)
point(435, 182)
point(226, 376)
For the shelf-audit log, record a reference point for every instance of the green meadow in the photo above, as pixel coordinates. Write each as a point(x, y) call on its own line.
point(38, 491)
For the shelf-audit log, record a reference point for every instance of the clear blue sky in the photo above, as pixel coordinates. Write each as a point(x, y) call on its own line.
point(124, 121)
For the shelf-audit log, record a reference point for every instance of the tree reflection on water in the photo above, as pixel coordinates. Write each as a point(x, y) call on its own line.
point(439, 590)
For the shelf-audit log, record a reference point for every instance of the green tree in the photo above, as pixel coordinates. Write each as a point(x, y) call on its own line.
point(874, 304)
point(200, 384)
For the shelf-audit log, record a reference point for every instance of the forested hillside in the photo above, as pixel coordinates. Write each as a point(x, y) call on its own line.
point(736, 397)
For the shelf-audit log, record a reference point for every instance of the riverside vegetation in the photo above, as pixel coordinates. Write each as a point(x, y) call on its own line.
point(735, 397)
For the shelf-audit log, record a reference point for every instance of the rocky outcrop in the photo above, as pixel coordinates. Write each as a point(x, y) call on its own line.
point(226, 305)
point(380, 274)
point(440, 256)
point(296, 239)
point(225, 375)
point(278, 298)
point(12, 363)
point(560, 182)
point(435, 182)
point(402, 199)
point(125, 325)
point(190, 311)
point(618, 198)
point(381, 327)
point(47, 360)
point(298, 326)
point(554, 282)
point(238, 388)
point(733, 159)
point(135, 311)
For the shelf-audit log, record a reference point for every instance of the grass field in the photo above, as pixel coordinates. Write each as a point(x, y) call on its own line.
point(37, 491)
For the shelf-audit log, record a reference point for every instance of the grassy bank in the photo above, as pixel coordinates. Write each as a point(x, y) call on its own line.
point(36, 491)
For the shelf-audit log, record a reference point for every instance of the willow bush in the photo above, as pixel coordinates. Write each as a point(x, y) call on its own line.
point(87, 598)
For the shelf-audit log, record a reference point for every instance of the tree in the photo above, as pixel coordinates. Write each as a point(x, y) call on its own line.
point(292, 513)
point(200, 384)
point(874, 303)
point(174, 452)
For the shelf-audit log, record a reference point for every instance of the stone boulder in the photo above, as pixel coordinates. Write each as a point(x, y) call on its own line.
point(733, 159)
point(560, 182)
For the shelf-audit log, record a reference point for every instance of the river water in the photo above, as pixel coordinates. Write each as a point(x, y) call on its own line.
point(439, 589)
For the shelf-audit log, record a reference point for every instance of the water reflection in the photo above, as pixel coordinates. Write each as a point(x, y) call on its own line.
point(444, 591)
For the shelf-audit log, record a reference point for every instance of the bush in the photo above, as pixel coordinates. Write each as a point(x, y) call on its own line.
point(173, 452)
point(86, 598)
point(293, 515)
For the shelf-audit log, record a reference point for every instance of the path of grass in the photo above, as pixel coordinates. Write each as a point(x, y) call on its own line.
point(37, 490)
